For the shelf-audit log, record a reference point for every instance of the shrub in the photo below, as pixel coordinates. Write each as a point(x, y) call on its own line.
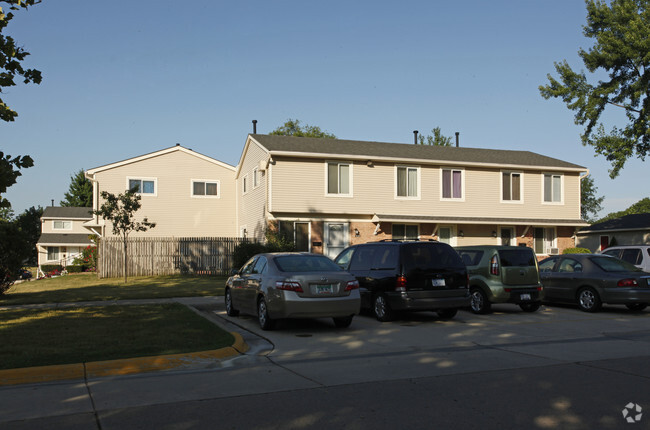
point(246, 250)
point(576, 251)
point(76, 268)
point(48, 268)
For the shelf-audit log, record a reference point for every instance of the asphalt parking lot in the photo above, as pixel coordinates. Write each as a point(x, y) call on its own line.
point(553, 369)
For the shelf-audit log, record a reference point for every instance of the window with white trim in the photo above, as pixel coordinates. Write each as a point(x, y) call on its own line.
point(339, 177)
point(552, 188)
point(205, 188)
point(143, 186)
point(511, 186)
point(52, 253)
point(61, 225)
point(452, 183)
point(256, 177)
point(406, 231)
point(545, 241)
point(407, 181)
point(244, 184)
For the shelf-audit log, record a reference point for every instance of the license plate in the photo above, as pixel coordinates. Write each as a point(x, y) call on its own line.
point(324, 289)
point(525, 297)
point(438, 282)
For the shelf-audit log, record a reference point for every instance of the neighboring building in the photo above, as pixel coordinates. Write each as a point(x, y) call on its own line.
point(626, 230)
point(185, 193)
point(63, 235)
point(329, 193)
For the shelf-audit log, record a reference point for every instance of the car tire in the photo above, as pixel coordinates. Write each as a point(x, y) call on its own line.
point(529, 307)
point(636, 307)
point(382, 309)
point(479, 303)
point(230, 310)
point(588, 300)
point(447, 314)
point(266, 323)
point(343, 322)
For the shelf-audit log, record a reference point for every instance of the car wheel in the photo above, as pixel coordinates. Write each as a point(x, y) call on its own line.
point(588, 300)
point(636, 307)
point(230, 310)
point(382, 310)
point(479, 303)
point(266, 323)
point(529, 307)
point(343, 322)
point(447, 314)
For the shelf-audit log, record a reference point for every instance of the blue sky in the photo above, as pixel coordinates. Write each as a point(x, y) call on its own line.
point(122, 79)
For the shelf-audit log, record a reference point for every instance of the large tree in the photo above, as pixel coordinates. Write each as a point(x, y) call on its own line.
point(435, 139)
point(621, 53)
point(590, 204)
point(80, 193)
point(29, 225)
point(293, 128)
point(640, 207)
point(12, 57)
point(120, 211)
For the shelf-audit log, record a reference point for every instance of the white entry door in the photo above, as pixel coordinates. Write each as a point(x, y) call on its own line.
point(336, 238)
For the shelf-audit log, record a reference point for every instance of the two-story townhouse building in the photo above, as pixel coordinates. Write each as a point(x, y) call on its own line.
point(185, 193)
point(329, 193)
point(63, 235)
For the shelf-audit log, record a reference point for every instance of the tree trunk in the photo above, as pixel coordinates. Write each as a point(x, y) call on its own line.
point(125, 260)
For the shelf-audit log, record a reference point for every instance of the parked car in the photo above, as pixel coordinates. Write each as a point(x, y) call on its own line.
point(639, 255)
point(292, 285)
point(24, 274)
point(407, 276)
point(591, 280)
point(502, 274)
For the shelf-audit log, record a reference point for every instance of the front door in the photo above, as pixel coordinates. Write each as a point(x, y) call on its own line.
point(336, 238)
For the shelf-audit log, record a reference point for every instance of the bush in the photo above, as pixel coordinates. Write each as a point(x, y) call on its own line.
point(246, 250)
point(576, 251)
point(77, 268)
point(47, 268)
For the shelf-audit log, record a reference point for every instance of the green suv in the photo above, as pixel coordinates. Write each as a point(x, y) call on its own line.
point(502, 274)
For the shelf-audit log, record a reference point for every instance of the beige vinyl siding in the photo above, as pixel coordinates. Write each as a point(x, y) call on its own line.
point(47, 226)
point(252, 210)
point(173, 209)
point(298, 185)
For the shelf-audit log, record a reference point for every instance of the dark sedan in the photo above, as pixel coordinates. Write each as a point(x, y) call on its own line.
point(591, 280)
point(293, 285)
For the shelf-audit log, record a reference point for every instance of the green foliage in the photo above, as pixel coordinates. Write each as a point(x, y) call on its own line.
point(590, 205)
point(244, 251)
point(120, 211)
point(640, 207)
point(80, 193)
point(10, 171)
point(293, 128)
point(621, 33)
point(12, 252)
point(49, 268)
point(11, 58)
point(276, 242)
point(87, 258)
point(436, 140)
point(576, 251)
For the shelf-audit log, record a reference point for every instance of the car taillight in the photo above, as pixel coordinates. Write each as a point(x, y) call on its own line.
point(289, 285)
point(352, 285)
point(494, 265)
point(627, 283)
point(400, 284)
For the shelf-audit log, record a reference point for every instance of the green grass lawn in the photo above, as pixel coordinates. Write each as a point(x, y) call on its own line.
point(87, 287)
point(39, 337)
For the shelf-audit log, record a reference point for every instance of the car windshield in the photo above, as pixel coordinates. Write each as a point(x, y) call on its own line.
point(517, 257)
point(306, 263)
point(611, 264)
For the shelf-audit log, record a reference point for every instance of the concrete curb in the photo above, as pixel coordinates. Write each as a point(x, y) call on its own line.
point(127, 366)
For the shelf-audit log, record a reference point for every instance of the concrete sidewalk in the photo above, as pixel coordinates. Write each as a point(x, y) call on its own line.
point(203, 306)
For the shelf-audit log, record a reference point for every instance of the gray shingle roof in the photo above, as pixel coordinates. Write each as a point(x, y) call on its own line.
point(64, 239)
point(67, 212)
point(409, 151)
point(627, 222)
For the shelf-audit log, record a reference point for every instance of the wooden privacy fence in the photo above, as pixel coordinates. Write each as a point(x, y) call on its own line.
point(167, 255)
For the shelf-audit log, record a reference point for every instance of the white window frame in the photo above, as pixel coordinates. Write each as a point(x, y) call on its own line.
point(418, 179)
point(521, 186)
point(462, 184)
point(142, 179)
point(256, 177)
point(350, 172)
point(244, 185)
point(552, 175)
point(205, 182)
point(54, 227)
point(58, 253)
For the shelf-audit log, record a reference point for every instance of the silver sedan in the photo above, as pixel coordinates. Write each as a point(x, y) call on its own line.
point(293, 285)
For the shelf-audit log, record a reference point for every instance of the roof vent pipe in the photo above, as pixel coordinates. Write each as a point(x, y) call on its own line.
point(415, 137)
point(254, 126)
point(457, 139)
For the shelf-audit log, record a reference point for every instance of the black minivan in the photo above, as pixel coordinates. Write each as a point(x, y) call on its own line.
point(407, 276)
